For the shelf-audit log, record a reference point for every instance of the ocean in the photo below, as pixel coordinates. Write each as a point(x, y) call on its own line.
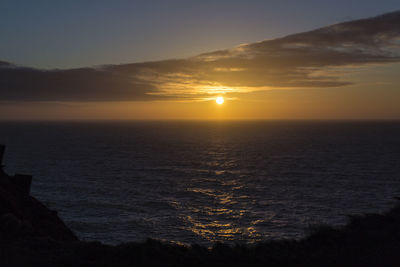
point(206, 181)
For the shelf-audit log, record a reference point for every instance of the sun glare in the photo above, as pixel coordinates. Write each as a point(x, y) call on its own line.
point(219, 100)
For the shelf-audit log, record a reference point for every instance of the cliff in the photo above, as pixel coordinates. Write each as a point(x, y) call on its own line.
point(22, 216)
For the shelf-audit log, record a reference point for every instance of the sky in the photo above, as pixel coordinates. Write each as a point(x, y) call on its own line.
point(68, 34)
point(171, 59)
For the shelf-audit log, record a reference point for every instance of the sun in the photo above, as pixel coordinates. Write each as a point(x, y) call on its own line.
point(219, 100)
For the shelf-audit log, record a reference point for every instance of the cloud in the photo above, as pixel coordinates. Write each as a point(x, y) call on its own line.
point(294, 61)
point(85, 84)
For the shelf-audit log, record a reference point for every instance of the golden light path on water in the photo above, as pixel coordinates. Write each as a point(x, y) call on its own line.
point(222, 202)
point(216, 230)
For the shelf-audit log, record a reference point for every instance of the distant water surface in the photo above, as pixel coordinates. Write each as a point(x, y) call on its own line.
point(201, 182)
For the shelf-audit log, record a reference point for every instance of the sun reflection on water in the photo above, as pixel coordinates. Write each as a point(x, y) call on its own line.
point(222, 203)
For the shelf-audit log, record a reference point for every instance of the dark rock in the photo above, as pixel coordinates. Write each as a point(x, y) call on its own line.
point(21, 215)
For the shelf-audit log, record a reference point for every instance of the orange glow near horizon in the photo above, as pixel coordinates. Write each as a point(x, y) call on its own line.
point(367, 97)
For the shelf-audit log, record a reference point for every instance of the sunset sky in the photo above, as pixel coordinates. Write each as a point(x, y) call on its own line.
point(172, 59)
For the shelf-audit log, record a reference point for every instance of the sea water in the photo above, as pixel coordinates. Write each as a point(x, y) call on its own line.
point(206, 181)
